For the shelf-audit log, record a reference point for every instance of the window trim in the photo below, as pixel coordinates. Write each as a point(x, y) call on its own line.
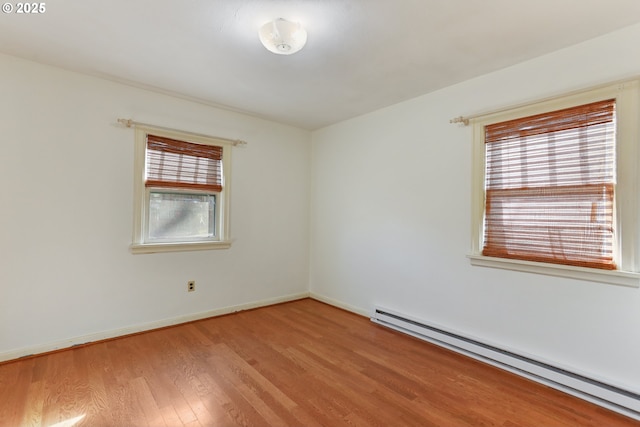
point(627, 245)
point(140, 204)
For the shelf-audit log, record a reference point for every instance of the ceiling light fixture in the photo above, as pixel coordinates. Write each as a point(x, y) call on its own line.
point(283, 37)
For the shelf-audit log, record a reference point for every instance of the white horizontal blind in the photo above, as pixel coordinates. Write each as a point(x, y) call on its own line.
point(550, 185)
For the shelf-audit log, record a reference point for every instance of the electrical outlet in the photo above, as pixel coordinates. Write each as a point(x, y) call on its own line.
point(191, 285)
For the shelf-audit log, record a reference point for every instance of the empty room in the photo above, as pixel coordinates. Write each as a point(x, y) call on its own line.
point(320, 213)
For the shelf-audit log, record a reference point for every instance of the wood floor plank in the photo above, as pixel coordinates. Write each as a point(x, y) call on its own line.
point(15, 380)
point(272, 400)
point(32, 412)
point(147, 403)
point(302, 363)
point(170, 416)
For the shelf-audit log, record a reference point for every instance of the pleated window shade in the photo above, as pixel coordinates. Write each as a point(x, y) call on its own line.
point(549, 184)
point(179, 164)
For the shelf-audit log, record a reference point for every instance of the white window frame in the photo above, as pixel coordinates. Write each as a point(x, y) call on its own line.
point(626, 197)
point(140, 243)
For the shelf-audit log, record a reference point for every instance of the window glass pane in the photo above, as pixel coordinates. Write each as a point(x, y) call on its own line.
point(181, 216)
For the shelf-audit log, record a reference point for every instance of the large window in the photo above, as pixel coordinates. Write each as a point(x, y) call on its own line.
point(181, 192)
point(555, 187)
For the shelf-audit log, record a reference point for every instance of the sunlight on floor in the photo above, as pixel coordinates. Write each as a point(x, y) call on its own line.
point(70, 422)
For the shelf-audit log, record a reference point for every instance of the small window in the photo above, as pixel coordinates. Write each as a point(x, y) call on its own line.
point(182, 192)
point(555, 184)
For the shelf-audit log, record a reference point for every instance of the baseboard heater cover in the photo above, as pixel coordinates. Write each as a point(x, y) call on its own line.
point(613, 397)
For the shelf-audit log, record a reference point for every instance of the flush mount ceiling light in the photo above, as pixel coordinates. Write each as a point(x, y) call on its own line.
point(282, 37)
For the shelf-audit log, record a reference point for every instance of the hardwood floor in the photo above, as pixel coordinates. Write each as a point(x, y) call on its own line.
point(297, 364)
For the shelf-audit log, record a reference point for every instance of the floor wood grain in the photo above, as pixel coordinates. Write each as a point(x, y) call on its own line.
point(302, 363)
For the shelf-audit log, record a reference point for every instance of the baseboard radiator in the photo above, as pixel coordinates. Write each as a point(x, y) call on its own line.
point(618, 399)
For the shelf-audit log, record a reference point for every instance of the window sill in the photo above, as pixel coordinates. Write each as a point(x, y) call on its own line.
point(150, 248)
point(615, 277)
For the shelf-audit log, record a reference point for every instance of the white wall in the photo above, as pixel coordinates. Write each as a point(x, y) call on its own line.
point(391, 221)
point(66, 215)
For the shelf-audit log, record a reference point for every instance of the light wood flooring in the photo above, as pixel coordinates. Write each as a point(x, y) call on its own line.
point(302, 363)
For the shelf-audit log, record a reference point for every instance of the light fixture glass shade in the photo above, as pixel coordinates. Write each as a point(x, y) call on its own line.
point(283, 37)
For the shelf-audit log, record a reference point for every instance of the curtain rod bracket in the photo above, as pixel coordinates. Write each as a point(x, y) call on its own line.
point(460, 119)
point(126, 122)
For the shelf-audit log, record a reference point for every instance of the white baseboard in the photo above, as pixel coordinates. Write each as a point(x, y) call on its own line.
point(336, 303)
point(104, 335)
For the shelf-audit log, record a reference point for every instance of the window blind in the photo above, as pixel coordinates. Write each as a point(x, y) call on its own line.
point(549, 185)
point(178, 164)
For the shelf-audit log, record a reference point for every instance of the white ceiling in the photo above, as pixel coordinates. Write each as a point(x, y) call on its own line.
point(361, 55)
